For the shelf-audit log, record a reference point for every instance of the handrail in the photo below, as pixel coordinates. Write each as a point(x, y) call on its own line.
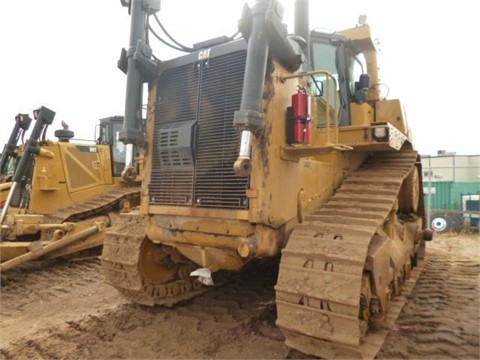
point(327, 98)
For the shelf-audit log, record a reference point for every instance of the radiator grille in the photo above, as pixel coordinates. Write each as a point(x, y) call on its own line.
point(218, 141)
point(199, 100)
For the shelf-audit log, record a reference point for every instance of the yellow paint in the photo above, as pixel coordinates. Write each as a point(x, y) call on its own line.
point(287, 182)
point(71, 176)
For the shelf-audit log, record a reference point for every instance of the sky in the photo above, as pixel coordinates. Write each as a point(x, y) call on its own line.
point(63, 55)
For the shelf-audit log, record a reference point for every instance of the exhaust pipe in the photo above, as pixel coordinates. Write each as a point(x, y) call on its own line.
point(301, 22)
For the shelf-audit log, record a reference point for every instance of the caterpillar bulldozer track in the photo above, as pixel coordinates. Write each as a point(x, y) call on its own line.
point(324, 291)
point(62, 195)
point(272, 145)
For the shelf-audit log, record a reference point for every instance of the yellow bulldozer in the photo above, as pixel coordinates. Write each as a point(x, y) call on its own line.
point(62, 194)
point(271, 144)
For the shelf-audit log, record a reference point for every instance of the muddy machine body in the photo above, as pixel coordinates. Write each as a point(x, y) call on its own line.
point(272, 144)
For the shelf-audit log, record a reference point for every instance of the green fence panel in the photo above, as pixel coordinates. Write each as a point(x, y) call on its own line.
point(447, 195)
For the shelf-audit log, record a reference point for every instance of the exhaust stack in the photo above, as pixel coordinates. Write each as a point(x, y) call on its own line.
point(302, 22)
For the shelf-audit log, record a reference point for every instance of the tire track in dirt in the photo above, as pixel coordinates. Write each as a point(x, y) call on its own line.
point(208, 326)
point(82, 317)
point(441, 318)
point(31, 284)
point(41, 295)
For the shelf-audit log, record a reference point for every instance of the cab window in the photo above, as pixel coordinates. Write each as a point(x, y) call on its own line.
point(328, 54)
point(118, 150)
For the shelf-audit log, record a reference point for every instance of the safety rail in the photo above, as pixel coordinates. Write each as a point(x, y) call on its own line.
point(328, 121)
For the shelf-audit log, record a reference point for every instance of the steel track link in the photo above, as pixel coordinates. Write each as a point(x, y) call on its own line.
point(97, 206)
point(120, 266)
point(322, 267)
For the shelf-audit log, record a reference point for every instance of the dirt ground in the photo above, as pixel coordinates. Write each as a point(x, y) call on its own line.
point(65, 310)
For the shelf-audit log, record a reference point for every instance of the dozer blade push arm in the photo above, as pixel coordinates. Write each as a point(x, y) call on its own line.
point(96, 227)
point(43, 117)
point(22, 123)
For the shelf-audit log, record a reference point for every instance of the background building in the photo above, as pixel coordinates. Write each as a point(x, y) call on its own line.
point(452, 191)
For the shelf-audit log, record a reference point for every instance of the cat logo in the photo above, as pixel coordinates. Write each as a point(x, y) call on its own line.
point(90, 149)
point(204, 54)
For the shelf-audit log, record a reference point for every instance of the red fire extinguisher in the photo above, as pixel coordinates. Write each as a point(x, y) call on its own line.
point(302, 127)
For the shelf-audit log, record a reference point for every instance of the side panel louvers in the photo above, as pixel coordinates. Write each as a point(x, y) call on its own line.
point(176, 110)
point(174, 145)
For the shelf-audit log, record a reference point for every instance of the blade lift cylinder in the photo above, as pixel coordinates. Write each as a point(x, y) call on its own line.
point(137, 63)
point(43, 117)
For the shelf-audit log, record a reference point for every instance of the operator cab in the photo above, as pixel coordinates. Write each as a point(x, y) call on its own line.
point(109, 128)
point(349, 82)
point(9, 170)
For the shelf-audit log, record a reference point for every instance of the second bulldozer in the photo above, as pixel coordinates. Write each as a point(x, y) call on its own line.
point(63, 194)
